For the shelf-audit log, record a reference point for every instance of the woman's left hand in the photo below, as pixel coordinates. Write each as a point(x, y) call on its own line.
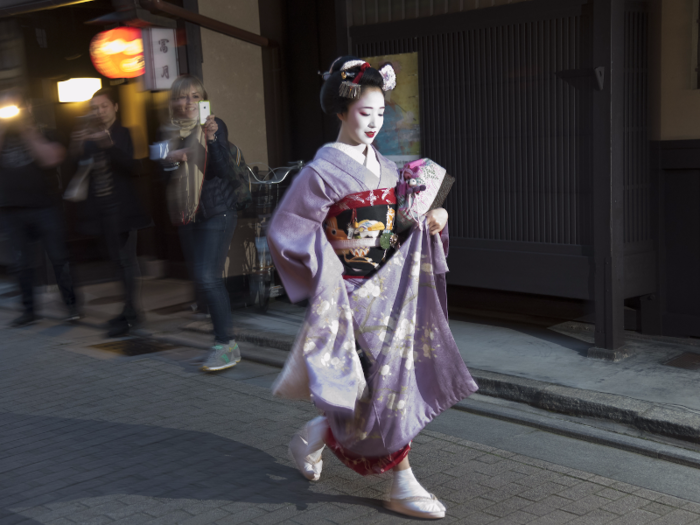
point(210, 127)
point(436, 220)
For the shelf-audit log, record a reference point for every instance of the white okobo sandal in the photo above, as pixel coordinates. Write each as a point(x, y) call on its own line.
point(309, 468)
point(418, 507)
point(306, 446)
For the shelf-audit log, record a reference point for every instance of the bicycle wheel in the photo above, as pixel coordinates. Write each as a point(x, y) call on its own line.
point(259, 290)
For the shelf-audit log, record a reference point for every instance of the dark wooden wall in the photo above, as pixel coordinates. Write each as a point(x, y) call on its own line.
point(677, 168)
point(506, 98)
point(553, 193)
point(308, 37)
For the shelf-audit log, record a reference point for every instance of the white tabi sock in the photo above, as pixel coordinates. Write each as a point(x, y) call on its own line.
point(316, 432)
point(406, 485)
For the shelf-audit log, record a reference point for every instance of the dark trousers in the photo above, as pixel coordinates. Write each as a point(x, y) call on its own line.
point(121, 247)
point(206, 243)
point(27, 225)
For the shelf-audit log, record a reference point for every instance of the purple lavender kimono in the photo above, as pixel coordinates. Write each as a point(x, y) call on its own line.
point(398, 316)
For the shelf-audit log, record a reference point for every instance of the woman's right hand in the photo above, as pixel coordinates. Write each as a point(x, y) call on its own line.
point(178, 155)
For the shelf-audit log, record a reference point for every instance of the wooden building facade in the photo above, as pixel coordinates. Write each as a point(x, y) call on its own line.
point(545, 112)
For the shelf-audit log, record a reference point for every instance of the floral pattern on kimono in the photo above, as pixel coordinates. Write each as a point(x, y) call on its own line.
point(398, 316)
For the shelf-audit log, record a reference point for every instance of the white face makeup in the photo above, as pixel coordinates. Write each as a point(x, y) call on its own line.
point(363, 120)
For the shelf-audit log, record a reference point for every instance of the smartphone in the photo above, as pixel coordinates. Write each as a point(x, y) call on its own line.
point(204, 111)
point(86, 121)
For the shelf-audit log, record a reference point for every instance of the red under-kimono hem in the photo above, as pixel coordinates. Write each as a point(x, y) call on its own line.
point(366, 465)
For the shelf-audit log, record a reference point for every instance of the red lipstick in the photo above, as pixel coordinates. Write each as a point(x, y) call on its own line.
point(370, 134)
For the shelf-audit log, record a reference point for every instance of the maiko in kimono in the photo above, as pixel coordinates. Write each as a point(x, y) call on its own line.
point(375, 353)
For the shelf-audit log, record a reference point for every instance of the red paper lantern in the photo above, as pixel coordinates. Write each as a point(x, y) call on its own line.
point(118, 53)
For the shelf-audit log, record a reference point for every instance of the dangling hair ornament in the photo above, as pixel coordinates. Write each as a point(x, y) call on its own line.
point(326, 75)
point(351, 88)
point(389, 75)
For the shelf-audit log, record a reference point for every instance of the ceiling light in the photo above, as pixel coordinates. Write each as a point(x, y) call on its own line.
point(78, 89)
point(9, 112)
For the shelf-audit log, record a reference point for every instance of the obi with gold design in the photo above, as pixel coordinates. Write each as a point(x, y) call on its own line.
point(360, 228)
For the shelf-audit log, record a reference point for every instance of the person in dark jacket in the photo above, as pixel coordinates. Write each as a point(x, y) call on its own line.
point(29, 201)
point(202, 203)
point(112, 209)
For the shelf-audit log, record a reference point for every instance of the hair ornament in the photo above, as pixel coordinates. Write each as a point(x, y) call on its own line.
point(351, 64)
point(352, 88)
point(326, 75)
point(389, 76)
point(348, 89)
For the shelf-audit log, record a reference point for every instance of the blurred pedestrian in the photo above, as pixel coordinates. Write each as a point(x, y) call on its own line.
point(202, 203)
point(112, 209)
point(29, 201)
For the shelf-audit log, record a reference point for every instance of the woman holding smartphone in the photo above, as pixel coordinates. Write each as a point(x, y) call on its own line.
point(202, 203)
point(112, 209)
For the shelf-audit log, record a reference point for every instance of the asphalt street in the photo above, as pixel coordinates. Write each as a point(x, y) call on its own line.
point(90, 436)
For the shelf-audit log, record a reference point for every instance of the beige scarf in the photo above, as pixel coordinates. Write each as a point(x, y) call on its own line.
point(185, 125)
point(185, 186)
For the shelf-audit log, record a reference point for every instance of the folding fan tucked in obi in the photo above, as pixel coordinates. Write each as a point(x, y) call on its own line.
point(423, 186)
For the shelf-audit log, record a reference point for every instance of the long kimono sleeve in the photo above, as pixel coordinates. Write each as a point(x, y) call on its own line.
point(302, 255)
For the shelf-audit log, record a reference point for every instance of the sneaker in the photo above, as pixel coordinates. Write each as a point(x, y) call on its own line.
point(121, 325)
point(25, 319)
point(73, 314)
point(222, 357)
point(118, 327)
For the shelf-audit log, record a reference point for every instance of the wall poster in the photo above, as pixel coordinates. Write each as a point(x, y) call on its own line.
point(399, 139)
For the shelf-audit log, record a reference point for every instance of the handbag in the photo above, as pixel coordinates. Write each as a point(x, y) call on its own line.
point(423, 186)
point(78, 186)
point(238, 172)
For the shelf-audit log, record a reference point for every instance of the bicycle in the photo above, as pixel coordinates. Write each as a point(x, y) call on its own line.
point(265, 198)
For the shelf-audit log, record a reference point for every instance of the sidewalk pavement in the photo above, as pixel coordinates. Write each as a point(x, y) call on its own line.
point(528, 360)
point(91, 437)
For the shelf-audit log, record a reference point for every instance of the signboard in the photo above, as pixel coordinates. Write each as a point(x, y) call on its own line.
point(160, 54)
point(399, 139)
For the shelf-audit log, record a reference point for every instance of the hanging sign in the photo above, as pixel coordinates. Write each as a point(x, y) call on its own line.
point(160, 56)
point(118, 53)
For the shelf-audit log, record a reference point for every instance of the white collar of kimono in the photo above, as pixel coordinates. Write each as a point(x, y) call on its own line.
point(371, 162)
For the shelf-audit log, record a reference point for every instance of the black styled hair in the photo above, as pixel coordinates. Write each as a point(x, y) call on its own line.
point(106, 92)
point(332, 102)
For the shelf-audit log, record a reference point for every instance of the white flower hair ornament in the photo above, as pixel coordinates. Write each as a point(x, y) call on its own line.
point(389, 76)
